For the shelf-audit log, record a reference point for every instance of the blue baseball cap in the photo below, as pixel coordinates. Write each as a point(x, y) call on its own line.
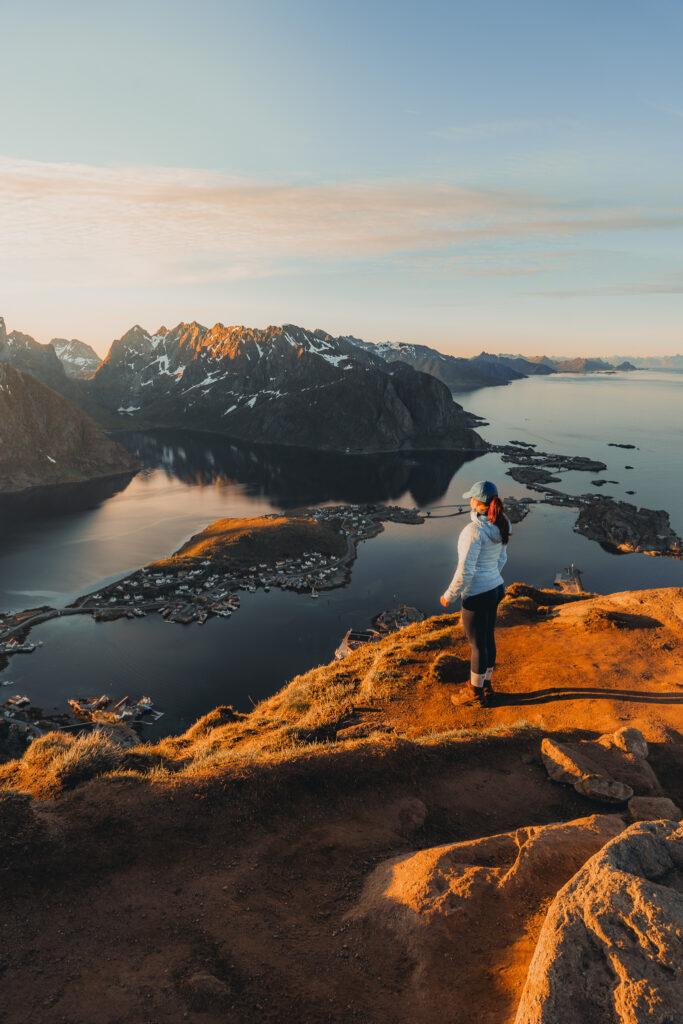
point(483, 491)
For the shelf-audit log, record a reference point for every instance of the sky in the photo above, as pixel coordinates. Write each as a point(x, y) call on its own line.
point(485, 175)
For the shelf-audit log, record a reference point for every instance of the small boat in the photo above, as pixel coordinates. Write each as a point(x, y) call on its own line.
point(354, 639)
point(314, 593)
point(18, 701)
point(85, 707)
point(137, 709)
point(569, 580)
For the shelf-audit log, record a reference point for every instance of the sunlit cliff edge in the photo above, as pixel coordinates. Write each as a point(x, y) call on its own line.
point(359, 847)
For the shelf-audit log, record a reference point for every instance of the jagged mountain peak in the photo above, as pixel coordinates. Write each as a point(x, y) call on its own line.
point(284, 384)
point(78, 359)
point(26, 354)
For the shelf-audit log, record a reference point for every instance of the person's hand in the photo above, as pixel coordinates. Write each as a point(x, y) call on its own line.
point(444, 601)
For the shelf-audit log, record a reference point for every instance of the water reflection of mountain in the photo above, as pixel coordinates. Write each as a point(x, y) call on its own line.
point(47, 502)
point(293, 477)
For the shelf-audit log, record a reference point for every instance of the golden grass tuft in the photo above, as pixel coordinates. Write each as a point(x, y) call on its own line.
point(61, 760)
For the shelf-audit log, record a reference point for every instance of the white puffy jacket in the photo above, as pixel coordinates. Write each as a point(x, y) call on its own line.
point(481, 556)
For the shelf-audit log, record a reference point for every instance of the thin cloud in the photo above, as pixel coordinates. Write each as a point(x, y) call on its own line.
point(99, 226)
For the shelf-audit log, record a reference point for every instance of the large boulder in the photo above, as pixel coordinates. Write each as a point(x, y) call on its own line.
point(611, 947)
point(459, 912)
point(653, 808)
point(610, 769)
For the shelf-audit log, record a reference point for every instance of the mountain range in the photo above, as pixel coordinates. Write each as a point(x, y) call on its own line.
point(485, 370)
point(284, 385)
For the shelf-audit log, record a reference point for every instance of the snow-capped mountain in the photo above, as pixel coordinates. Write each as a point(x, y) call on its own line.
point(22, 352)
point(457, 373)
point(78, 359)
point(283, 385)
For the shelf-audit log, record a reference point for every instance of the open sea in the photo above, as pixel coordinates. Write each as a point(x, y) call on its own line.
point(51, 555)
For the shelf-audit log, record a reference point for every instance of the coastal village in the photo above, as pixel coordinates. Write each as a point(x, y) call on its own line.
point(193, 593)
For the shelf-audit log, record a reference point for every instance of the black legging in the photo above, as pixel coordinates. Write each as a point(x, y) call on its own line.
point(479, 622)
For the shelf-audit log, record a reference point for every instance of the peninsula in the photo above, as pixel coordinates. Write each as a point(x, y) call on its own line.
point(308, 551)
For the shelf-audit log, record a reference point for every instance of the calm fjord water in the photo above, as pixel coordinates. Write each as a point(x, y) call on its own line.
point(189, 481)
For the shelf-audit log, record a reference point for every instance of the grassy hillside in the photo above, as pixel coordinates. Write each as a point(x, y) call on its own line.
point(243, 542)
point(566, 663)
point(326, 856)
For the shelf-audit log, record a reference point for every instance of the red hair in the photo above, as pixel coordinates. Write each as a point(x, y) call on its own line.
point(496, 514)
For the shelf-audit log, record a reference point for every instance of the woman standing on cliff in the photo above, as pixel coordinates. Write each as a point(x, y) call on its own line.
point(482, 553)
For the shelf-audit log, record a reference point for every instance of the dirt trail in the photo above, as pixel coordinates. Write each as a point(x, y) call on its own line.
point(571, 669)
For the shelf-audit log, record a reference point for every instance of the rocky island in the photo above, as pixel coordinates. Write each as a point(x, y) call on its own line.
point(324, 856)
point(624, 527)
point(616, 525)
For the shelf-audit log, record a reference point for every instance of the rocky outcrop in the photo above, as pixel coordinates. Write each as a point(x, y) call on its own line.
point(653, 808)
point(620, 526)
point(462, 903)
point(45, 439)
point(616, 525)
point(525, 455)
point(531, 475)
point(610, 769)
point(611, 947)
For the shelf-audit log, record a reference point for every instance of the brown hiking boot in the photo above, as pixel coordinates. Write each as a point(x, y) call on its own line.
point(472, 696)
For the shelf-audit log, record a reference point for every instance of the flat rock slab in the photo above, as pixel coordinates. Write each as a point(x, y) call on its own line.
point(611, 946)
point(610, 769)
